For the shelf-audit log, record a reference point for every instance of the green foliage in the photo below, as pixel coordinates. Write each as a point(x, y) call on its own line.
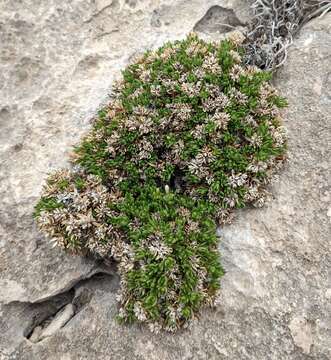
point(175, 264)
point(190, 135)
point(46, 204)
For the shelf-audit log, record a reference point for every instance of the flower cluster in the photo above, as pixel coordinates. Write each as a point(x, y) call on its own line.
point(190, 135)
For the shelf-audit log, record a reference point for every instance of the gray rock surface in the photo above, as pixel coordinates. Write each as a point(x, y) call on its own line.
point(57, 63)
point(60, 319)
point(58, 60)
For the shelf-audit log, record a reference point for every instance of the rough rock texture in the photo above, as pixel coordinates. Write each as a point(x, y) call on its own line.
point(57, 62)
point(218, 19)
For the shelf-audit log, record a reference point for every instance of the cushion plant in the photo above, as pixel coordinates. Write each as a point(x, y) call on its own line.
point(190, 134)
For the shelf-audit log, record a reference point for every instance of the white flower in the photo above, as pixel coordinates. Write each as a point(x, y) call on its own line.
point(210, 64)
point(236, 37)
point(235, 72)
point(157, 247)
point(139, 311)
point(235, 56)
point(154, 327)
point(236, 180)
point(220, 119)
point(256, 140)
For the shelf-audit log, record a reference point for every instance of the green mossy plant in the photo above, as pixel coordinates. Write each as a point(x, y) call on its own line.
point(190, 135)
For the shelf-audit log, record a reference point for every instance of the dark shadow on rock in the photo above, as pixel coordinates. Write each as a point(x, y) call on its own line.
point(218, 19)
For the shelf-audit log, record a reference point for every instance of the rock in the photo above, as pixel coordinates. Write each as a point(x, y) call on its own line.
point(60, 319)
point(35, 336)
point(57, 63)
point(20, 320)
point(302, 333)
point(218, 19)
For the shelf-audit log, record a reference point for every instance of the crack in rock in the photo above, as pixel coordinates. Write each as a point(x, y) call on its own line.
point(44, 317)
point(100, 268)
point(52, 326)
point(76, 297)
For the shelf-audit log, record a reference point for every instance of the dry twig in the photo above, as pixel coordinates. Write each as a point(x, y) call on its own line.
point(274, 25)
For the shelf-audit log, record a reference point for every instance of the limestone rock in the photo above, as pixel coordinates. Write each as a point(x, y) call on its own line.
point(57, 63)
point(60, 319)
point(302, 333)
point(22, 320)
point(35, 336)
point(218, 19)
point(58, 60)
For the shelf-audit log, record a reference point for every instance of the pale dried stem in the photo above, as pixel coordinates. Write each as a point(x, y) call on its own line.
point(274, 26)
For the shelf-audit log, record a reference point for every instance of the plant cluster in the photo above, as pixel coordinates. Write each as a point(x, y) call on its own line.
point(190, 135)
